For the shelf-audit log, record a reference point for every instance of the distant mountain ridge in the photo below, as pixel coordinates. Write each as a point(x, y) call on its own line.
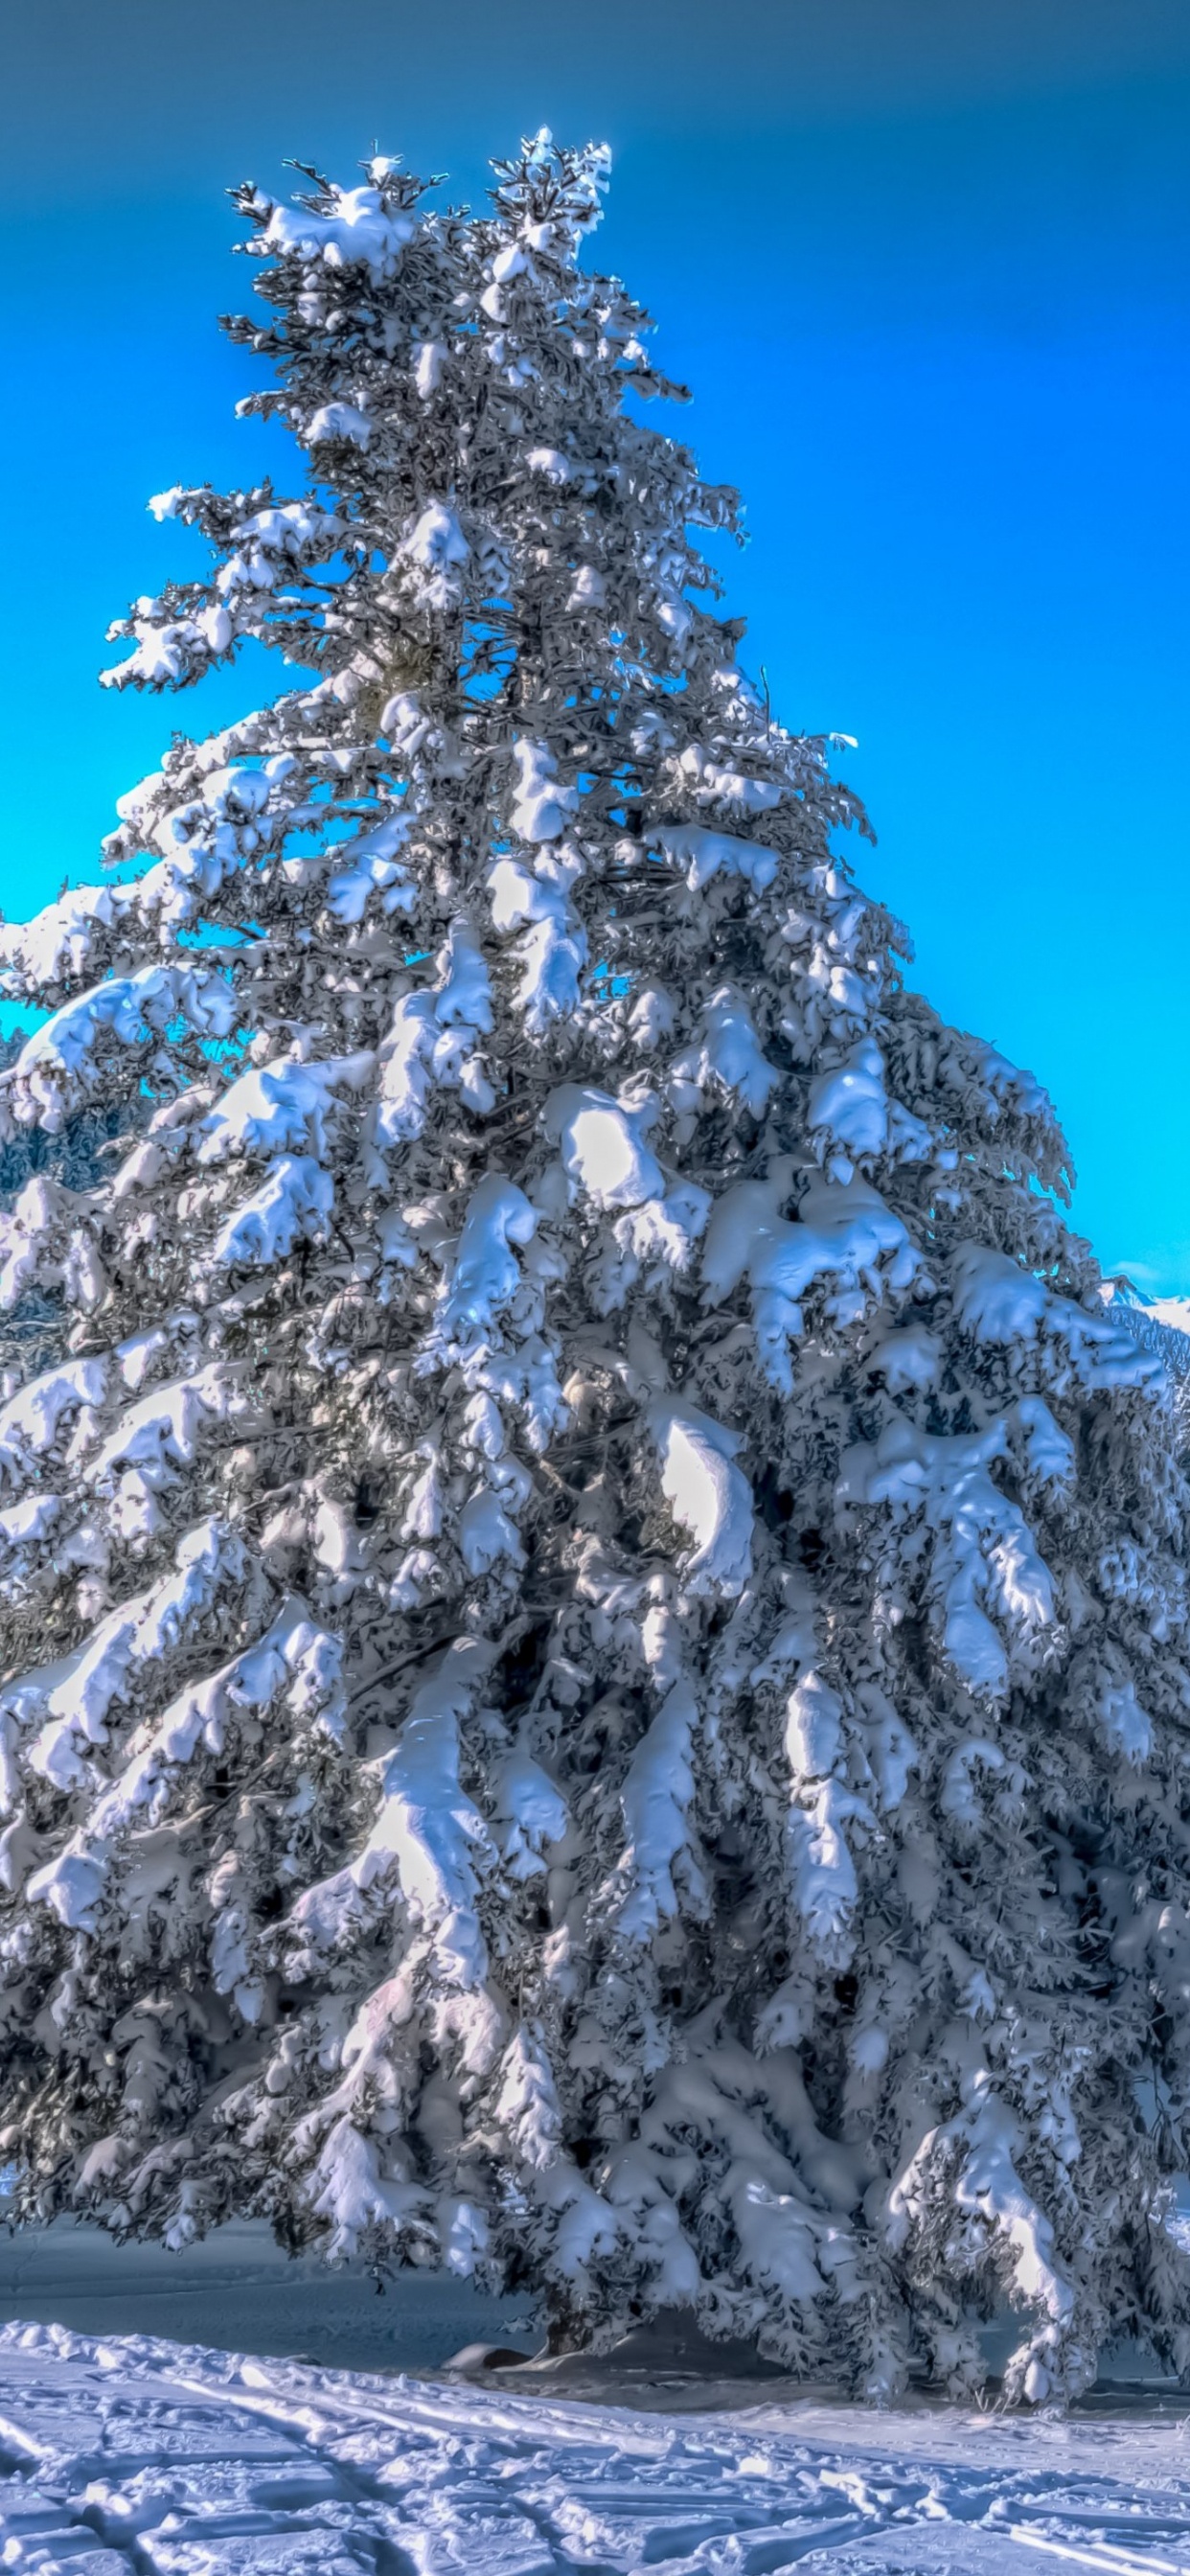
point(1160, 1324)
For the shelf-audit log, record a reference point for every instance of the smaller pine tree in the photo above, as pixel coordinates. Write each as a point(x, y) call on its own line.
point(594, 1611)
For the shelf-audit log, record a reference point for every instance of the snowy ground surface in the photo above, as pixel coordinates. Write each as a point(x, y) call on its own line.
point(174, 2460)
point(236, 2289)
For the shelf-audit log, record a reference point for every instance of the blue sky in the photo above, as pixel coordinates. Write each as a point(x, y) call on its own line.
point(924, 263)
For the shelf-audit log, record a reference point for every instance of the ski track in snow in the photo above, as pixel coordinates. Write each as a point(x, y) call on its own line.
point(135, 2454)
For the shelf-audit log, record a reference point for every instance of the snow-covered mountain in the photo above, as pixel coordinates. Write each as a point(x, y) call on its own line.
point(1160, 1324)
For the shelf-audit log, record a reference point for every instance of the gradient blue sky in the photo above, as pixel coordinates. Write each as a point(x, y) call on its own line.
point(924, 263)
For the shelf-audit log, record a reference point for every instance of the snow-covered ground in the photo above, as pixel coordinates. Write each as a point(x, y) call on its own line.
point(175, 2460)
point(236, 2289)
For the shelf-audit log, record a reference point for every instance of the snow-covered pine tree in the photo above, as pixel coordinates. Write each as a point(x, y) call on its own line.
point(594, 1609)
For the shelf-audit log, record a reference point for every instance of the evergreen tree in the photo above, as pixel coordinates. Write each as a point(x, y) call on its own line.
point(594, 1608)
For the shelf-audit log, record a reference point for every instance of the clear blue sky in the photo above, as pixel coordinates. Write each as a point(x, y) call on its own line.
point(924, 263)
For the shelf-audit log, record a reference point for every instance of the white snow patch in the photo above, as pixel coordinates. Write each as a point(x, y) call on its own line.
point(658, 1788)
point(541, 807)
point(984, 1558)
point(728, 1051)
point(707, 1493)
point(292, 1205)
point(56, 1069)
point(338, 420)
point(427, 1831)
point(702, 854)
point(602, 1145)
point(552, 947)
point(844, 1234)
point(357, 231)
point(437, 548)
point(280, 1107)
